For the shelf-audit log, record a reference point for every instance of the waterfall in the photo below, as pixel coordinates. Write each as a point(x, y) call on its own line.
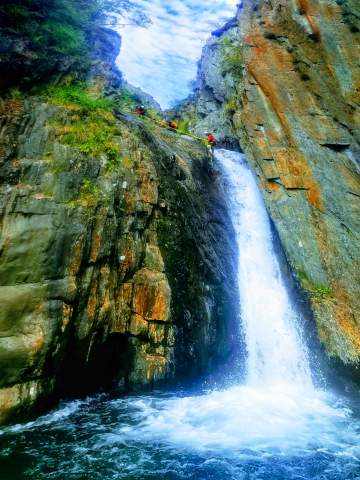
point(277, 408)
point(275, 351)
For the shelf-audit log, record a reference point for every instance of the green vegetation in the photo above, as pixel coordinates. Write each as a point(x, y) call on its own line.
point(52, 26)
point(153, 114)
point(76, 95)
point(226, 42)
point(320, 291)
point(232, 58)
point(231, 105)
point(92, 134)
point(92, 125)
point(51, 33)
point(184, 129)
point(234, 62)
point(126, 100)
point(89, 188)
point(15, 94)
point(303, 69)
point(88, 195)
point(184, 126)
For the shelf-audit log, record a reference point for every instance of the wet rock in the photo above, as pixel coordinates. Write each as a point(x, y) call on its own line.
point(151, 295)
point(295, 112)
point(98, 264)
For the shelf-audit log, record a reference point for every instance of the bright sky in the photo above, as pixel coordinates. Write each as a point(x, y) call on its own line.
point(161, 59)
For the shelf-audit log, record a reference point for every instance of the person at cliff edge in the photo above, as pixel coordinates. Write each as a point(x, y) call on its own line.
point(171, 124)
point(140, 110)
point(211, 142)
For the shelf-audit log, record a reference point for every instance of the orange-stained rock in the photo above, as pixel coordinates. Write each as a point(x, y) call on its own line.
point(156, 366)
point(294, 96)
point(139, 327)
point(300, 75)
point(150, 366)
point(153, 258)
point(97, 236)
point(67, 311)
point(152, 295)
point(13, 398)
point(76, 257)
point(123, 308)
point(157, 332)
point(147, 184)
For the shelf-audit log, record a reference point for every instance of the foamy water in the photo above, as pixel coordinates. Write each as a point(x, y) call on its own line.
point(275, 350)
point(278, 407)
point(279, 418)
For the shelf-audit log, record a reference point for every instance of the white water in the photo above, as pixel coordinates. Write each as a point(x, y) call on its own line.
point(275, 351)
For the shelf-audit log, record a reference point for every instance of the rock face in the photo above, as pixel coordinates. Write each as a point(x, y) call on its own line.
point(209, 108)
point(116, 252)
point(294, 109)
point(109, 274)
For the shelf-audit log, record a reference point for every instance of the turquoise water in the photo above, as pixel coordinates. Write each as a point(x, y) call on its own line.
point(168, 436)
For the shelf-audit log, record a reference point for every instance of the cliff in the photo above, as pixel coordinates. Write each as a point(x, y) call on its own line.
point(283, 83)
point(115, 249)
point(115, 270)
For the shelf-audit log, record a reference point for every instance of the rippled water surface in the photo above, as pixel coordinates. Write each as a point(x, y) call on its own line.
point(237, 434)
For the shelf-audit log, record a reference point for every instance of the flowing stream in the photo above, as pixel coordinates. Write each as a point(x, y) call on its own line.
point(275, 426)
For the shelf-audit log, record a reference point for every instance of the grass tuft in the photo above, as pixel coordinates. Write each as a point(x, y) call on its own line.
point(233, 58)
point(92, 125)
point(76, 95)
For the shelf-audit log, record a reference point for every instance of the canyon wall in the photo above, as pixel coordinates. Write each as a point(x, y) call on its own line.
point(283, 82)
point(116, 260)
point(113, 271)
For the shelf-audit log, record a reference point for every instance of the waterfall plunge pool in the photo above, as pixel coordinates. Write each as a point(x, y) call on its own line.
point(242, 433)
point(276, 426)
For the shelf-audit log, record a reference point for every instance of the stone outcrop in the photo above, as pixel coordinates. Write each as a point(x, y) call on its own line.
point(287, 78)
point(209, 107)
point(111, 274)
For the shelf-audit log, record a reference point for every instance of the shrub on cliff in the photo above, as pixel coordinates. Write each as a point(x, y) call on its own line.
point(46, 37)
point(233, 61)
point(90, 126)
point(76, 94)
